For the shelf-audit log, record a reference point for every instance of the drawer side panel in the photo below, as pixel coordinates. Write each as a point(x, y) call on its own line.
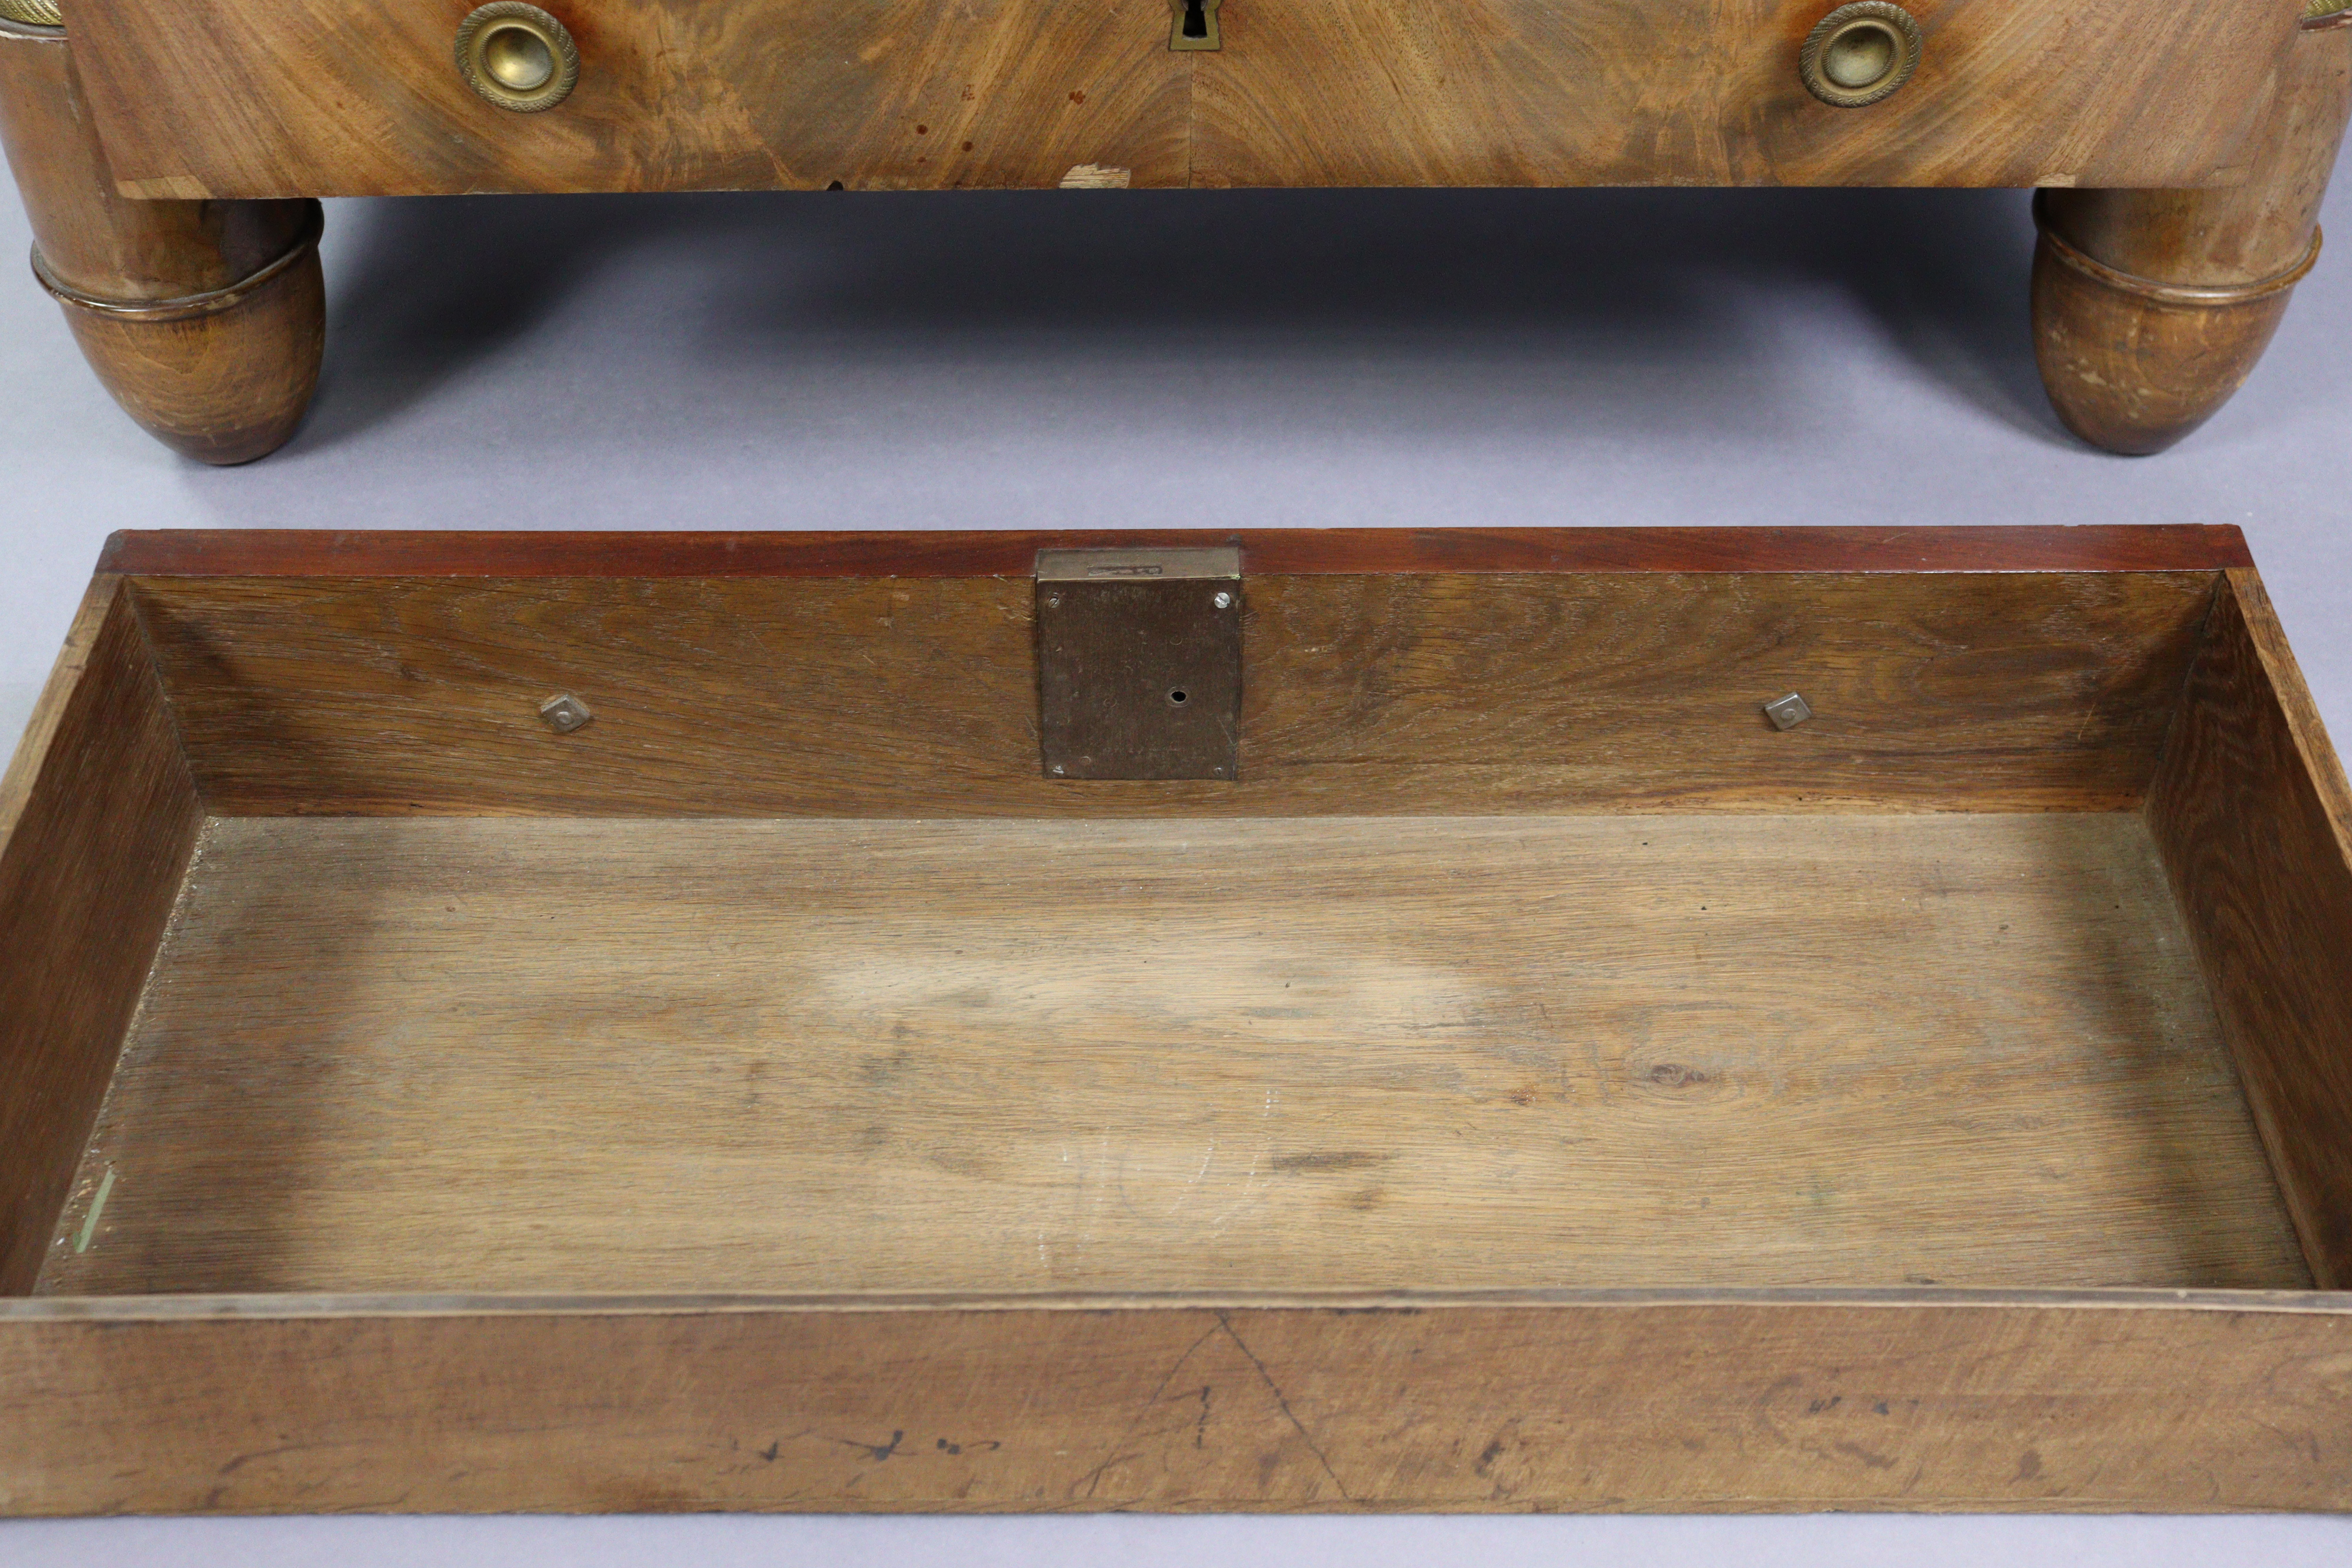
point(91, 864)
point(2251, 811)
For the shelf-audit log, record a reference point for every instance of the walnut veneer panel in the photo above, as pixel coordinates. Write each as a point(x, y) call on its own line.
point(205, 97)
point(223, 97)
point(1410, 694)
point(1289, 1055)
point(1551, 92)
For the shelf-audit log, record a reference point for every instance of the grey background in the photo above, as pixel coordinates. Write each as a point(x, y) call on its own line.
point(1121, 359)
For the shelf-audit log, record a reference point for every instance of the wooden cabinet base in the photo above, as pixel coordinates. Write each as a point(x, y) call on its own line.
point(205, 318)
point(2184, 149)
point(1537, 1081)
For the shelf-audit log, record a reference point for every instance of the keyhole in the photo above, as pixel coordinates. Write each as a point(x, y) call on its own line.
point(1195, 24)
point(1179, 697)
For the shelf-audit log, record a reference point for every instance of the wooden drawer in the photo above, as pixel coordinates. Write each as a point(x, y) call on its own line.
point(1535, 1081)
point(227, 98)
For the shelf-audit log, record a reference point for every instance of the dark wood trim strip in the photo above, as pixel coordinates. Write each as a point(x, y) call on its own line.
point(270, 552)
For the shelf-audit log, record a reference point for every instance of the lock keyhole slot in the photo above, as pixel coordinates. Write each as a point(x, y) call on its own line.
point(1194, 25)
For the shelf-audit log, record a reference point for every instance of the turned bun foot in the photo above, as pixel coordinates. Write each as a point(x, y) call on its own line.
point(2133, 364)
point(2151, 307)
point(205, 318)
point(223, 376)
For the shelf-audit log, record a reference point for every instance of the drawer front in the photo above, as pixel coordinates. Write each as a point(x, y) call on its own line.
point(235, 97)
point(1708, 92)
point(229, 98)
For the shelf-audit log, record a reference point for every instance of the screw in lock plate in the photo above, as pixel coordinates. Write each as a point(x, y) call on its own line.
point(564, 713)
point(1787, 712)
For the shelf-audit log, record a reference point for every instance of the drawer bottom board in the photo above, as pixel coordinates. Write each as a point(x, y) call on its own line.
point(1371, 1053)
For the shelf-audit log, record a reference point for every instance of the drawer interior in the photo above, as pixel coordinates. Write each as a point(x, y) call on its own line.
point(735, 990)
point(1339, 1053)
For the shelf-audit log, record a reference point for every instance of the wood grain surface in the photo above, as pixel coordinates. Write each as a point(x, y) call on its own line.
point(1283, 552)
point(101, 837)
point(257, 1406)
point(340, 98)
point(2255, 819)
point(212, 98)
point(500, 1055)
point(1407, 693)
point(1603, 92)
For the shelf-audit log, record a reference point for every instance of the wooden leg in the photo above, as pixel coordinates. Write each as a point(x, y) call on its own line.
point(205, 318)
point(2151, 307)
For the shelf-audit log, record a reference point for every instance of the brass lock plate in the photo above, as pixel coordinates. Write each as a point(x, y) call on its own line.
point(1140, 663)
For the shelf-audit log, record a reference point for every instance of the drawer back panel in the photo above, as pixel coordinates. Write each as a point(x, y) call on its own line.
point(1407, 693)
point(223, 97)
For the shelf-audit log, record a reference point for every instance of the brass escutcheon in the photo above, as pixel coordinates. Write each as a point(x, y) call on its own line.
point(1193, 24)
point(32, 13)
point(1860, 54)
point(516, 56)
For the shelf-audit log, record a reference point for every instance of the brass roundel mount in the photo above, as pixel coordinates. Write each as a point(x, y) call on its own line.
point(1860, 54)
point(516, 56)
point(32, 13)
